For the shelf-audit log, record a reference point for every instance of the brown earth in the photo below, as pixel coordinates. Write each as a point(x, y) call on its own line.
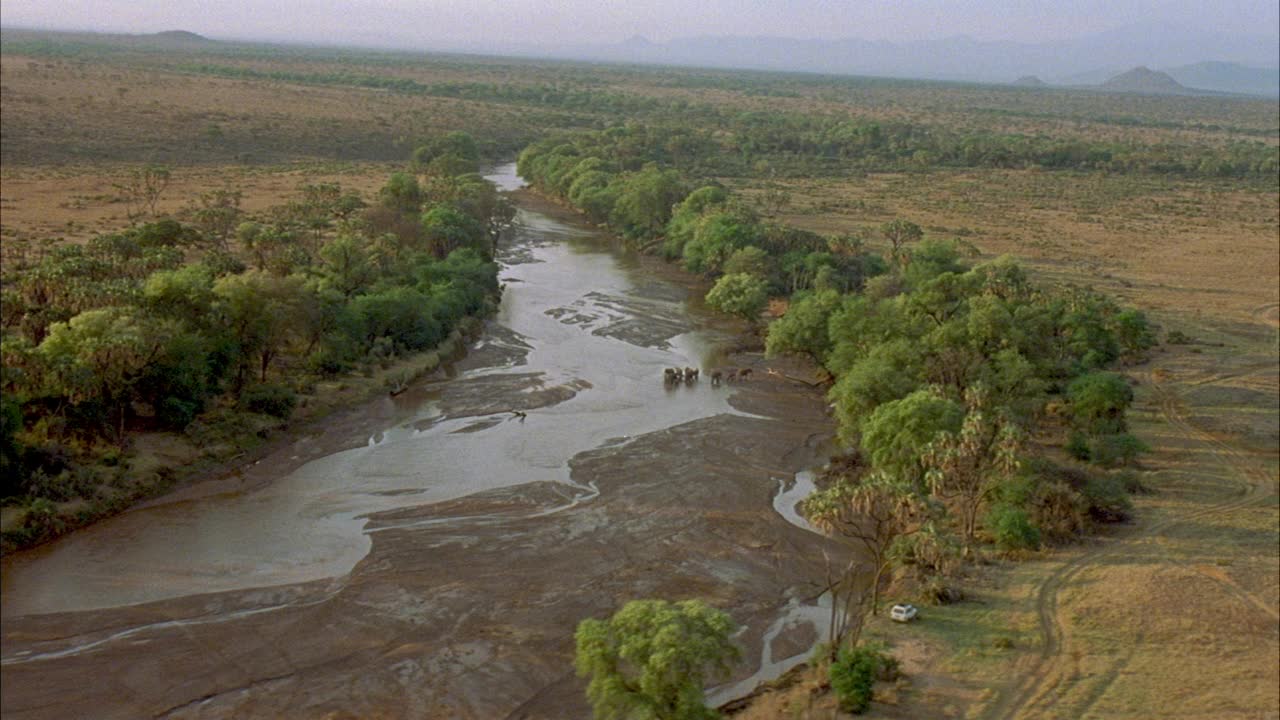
point(426, 624)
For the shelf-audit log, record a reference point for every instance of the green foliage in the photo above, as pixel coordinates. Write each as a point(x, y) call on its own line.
point(119, 335)
point(269, 399)
point(1078, 445)
point(748, 260)
point(897, 432)
point(645, 199)
point(446, 229)
point(854, 673)
point(715, 238)
point(455, 153)
point(651, 659)
point(1133, 333)
point(889, 371)
point(1108, 498)
point(1012, 528)
point(804, 328)
point(402, 315)
point(739, 294)
point(1118, 450)
point(402, 193)
point(1098, 402)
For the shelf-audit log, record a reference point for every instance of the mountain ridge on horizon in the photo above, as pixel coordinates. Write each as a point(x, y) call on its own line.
point(1083, 62)
point(1229, 59)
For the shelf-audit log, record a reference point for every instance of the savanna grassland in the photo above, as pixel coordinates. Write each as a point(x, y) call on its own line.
point(1168, 205)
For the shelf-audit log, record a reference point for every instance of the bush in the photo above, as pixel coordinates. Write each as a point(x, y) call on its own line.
point(854, 673)
point(1078, 446)
point(176, 413)
point(1012, 528)
point(1108, 499)
point(1117, 450)
point(268, 399)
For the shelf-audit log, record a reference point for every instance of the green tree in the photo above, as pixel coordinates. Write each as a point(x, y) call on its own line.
point(644, 204)
point(651, 659)
point(184, 294)
point(889, 371)
point(453, 154)
point(740, 294)
point(897, 432)
point(1099, 401)
point(261, 314)
point(402, 193)
point(804, 328)
point(750, 260)
point(446, 229)
point(98, 356)
point(347, 265)
point(716, 237)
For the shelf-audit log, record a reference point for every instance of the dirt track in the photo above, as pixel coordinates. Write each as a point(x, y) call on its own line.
point(1054, 684)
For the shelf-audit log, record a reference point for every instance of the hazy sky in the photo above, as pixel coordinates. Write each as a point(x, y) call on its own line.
point(464, 23)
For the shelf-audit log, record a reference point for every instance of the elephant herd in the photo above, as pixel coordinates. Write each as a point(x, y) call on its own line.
point(689, 375)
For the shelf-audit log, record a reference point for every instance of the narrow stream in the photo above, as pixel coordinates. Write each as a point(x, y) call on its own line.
point(795, 613)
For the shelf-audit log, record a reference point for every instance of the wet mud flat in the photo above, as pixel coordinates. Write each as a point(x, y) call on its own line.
point(464, 608)
point(549, 479)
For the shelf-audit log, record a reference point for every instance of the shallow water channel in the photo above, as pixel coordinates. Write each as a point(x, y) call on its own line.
point(557, 413)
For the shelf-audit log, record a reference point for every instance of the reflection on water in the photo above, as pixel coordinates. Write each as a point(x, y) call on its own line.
point(596, 336)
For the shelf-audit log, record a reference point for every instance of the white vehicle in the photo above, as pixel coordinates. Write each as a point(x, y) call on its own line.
point(903, 612)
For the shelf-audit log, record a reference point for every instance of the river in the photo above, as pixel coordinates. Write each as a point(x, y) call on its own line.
point(421, 550)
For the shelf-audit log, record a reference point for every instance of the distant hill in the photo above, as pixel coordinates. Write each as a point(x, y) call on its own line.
point(174, 38)
point(179, 35)
point(1229, 77)
point(1029, 81)
point(951, 58)
point(1147, 81)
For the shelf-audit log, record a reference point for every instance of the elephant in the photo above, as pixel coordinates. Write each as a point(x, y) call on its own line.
point(690, 374)
point(716, 376)
point(744, 374)
point(672, 376)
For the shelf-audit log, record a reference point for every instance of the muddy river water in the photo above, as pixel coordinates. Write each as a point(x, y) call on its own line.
point(430, 555)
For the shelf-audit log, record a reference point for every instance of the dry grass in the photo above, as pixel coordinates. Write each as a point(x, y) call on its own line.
point(76, 204)
point(1204, 250)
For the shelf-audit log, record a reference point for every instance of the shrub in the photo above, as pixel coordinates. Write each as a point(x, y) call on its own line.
point(1057, 510)
point(176, 413)
point(269, 399)
point(1078, 446)
point(1108, 499)
point(1012, 528)
point(1116, 450)
point(854, 673)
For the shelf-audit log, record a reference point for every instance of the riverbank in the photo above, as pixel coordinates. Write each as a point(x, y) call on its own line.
point(171, 467)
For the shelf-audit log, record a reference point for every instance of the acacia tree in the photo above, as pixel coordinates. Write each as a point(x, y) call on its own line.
point(217, 213)
point(651, 658)
point(964, 468)
point(899, 233)
point(143, 188)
